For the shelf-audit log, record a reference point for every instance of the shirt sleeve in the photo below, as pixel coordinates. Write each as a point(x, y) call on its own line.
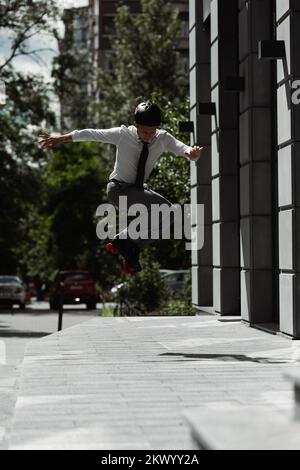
point(109, 136)
point(175, 146)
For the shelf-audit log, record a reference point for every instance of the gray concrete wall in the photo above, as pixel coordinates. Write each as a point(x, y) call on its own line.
point(225, 194)
point(255, 209)
point(288, 18)
point(201, 171)
point(256, 153)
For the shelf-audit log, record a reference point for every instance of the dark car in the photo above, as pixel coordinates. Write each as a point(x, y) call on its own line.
point(75, 287)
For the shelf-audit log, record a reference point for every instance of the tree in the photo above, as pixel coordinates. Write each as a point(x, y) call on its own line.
point(145, 61)
point(76, 184)
point(23, 19)
point(70, 72)
point(26, 109)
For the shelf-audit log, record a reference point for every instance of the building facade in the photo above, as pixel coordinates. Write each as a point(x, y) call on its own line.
point(77, 37)
point(243, 67)
point(102, 14)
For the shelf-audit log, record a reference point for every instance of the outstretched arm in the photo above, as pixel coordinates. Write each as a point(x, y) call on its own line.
point(194, 153)
point(109, 136)
point(49, 141)
point(179, 148)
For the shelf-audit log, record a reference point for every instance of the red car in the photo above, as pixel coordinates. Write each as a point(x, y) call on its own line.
point(76, 287)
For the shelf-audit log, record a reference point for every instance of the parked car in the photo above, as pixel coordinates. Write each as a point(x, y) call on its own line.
point(12, 291)
point(176, 281)
point(78, 287)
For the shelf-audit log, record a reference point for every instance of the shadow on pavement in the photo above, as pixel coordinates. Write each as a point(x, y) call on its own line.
point(226, 357)
point(36, 311)
point(22, 334)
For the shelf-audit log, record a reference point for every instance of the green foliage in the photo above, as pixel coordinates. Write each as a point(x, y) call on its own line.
point(60, 232)
point(145, 291)
point(109, 312)
point(73, 72)
point(22, 19)
point(171, 175)
point(182, 304)
point(76, 185)
point(144, 49)
point(26, 109)
point(147, 294)
point(21, 160)
point(32, 249)
point(171, 178)
point(48, 200)
point(145, 61)
point(179, 308)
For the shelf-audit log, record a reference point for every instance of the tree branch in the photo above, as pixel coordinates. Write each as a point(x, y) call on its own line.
point(35, 53)
point(22, 38)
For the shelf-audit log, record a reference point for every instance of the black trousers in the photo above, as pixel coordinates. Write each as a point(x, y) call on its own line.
point(148, 199)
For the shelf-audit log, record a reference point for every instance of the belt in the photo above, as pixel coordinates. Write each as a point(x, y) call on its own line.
point(114, 180)
point(117, 181)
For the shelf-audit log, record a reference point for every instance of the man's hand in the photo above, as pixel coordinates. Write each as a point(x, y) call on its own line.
point(49, 141)
point(194, 153)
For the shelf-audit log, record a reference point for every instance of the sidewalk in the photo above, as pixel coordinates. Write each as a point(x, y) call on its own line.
point(127, 383)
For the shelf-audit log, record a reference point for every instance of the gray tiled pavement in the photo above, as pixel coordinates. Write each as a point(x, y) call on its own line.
point(127, 383)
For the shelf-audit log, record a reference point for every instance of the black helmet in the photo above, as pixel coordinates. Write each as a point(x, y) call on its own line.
point(148, 114)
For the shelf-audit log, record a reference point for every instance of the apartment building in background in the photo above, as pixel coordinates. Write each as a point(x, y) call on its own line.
point(102, 14)
point(77, 36)
point(91, 28)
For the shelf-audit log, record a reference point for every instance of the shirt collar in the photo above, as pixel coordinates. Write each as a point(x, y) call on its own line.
point(134, 131)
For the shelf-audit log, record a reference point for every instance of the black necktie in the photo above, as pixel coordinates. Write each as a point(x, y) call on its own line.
point(139, 182)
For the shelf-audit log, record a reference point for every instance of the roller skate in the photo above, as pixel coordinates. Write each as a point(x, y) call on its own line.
point(129, 252)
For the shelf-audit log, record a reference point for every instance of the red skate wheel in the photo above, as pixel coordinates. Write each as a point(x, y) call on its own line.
point(128, 269)
point(111, 249)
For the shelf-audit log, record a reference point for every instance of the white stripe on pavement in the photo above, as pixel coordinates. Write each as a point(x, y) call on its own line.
point(2, 353)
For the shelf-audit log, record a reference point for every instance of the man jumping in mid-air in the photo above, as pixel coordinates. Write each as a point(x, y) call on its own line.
point(138, 149)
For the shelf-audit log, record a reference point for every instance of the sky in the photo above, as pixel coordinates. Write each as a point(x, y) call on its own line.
point(26, 63)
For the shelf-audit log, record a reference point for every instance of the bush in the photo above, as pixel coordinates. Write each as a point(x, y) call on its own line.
point(144, 292)
point(179, 308)
point(108, 312)
point(182, 303)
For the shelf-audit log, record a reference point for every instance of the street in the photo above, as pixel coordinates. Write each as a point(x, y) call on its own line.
point(17, 329)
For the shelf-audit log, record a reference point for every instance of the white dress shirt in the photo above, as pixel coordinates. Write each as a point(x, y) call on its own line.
point(129, 147)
